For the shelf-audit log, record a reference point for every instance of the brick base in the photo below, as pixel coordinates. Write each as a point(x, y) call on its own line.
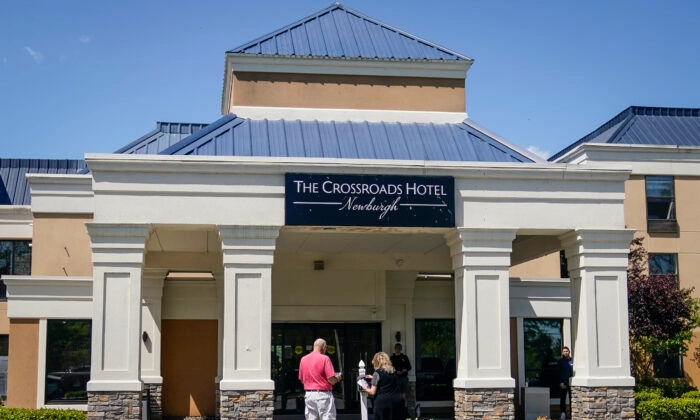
point(114, 405)
point(485, 403)
point(589, 403)
point(251, 405)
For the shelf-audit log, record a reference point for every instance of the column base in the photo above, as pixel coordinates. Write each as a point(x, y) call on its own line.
point(588, 403)
point(258, 405)
point(485, 403)
point(116, 405)
point(155, 403)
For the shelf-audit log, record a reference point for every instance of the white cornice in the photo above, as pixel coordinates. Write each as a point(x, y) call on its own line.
point(60, 193)
point(354, 115)
point(48, 297)
point(16, 222)
point(102, 164)
point(452, 69)
point(642, 159)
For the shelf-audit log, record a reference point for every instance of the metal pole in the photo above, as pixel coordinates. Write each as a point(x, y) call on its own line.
point(363, 395)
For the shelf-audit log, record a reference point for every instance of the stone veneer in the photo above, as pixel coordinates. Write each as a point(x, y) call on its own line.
point(588, 403)
point(114, 405)
point(485, 403)
point(155, 403)
point(250, 405)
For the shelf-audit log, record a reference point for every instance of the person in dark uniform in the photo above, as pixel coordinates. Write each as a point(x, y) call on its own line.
point(401, 365)
point(388, 403)
point(565, 366)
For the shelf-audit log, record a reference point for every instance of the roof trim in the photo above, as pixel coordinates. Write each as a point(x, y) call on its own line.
point(354, 115)
point(182, 164)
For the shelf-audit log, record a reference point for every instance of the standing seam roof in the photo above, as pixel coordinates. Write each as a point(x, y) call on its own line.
point(646, 126)
point(234, 136)
point(341, 32)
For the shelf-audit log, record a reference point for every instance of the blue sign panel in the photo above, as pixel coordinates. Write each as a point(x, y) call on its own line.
point(369, 200)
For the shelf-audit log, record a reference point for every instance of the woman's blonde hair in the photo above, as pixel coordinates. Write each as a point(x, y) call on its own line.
point(382, 361)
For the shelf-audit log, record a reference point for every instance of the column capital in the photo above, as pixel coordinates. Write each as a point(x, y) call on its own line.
point(607, 248)
point(117, 243)
point(487, 248)
point(237, 232)
point(251, 246)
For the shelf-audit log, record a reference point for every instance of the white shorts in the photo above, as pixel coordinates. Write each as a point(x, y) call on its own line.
point(319, 405)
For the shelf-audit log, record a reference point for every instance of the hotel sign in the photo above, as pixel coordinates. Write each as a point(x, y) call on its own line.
point(369, 200)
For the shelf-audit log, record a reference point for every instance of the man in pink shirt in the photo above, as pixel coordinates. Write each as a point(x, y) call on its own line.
point(318, 376)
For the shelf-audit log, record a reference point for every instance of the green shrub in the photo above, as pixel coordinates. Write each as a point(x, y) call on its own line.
point(669, 408)
point(40, 414)
point(670, 388)
point(651, 394)
point(691, 394)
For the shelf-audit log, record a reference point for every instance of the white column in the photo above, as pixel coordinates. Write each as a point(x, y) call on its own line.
point(117, 256)
point(597, 261)
point(151, 309)
point(480, 259)
point(247, 299)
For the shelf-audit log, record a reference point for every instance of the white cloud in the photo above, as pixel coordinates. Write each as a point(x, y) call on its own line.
point(85, 39)
point(36, 55)
point(544, 154)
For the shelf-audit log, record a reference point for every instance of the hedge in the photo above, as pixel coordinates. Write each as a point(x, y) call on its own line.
point(40, 414)
point(669, 408)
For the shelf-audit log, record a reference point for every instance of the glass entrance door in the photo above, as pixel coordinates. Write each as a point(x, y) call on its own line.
point(347, 345)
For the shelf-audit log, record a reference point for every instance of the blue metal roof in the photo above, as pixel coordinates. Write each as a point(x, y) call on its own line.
point(234, 136)
point(14, 188)
point(646, 126)
point(341, 32)
point(165, 135)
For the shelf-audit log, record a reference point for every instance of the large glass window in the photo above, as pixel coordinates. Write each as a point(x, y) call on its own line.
point(661, 211)
point(435, 359)
point(67, 360)
point(543, 344)
point(15, 259)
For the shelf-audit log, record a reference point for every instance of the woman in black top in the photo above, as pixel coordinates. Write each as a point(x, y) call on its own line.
point(388, 401)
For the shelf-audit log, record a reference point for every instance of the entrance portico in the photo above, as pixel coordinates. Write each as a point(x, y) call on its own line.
point(253, 262)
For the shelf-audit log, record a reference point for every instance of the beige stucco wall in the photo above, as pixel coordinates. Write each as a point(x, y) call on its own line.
point(347, 92)
point(61, 246)
point(546, 266)
point(23, 363)
point(4, 321)
point(686, 243)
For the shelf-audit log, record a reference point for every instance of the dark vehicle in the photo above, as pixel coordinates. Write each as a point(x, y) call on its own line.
point(68, 385)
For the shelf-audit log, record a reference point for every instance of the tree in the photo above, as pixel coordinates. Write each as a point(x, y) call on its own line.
point(662, 315)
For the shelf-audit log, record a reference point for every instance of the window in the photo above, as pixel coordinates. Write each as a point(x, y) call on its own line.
point(15, 259)
point(543, 344)
point(67, 361)
point(663, 265)
point(661, 210)
point(435, 359)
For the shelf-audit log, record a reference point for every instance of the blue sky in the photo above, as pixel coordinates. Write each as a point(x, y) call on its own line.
point(91, 76)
